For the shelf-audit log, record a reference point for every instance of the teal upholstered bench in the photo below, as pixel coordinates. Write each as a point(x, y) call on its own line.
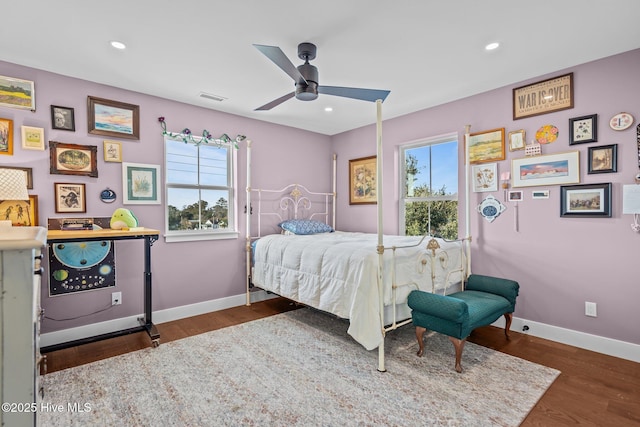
point(482, 302)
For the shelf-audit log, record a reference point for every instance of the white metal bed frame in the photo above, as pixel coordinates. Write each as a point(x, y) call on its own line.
point(298, 202)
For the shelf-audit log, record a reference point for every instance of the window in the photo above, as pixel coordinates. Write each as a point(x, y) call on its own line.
point(200, 191)
point(429, 181)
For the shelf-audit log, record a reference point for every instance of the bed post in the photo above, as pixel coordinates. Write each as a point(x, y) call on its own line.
point(381, 366)
point(247, 210)
point(467, 220)
point(334, 188)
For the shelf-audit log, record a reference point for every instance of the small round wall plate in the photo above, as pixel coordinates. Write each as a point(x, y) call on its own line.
point(108, 195)
point(621, 121)
point(547, 134)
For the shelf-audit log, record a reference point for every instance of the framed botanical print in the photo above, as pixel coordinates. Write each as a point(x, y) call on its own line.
point(73, 159)
point(362, 181)
point(517, 140)
point(583, 129)
point(70, 198)
point(485, 177)
point(141, 184)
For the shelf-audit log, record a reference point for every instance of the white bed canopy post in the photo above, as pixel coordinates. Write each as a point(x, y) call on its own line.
point(248, 222)
point(467, 179)
point(381, 367)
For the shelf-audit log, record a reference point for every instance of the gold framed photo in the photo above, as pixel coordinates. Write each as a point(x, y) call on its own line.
point(112, 151)
point(32, 138)
point(362, 181)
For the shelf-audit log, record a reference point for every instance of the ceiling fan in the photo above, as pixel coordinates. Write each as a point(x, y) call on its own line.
point(306, 81)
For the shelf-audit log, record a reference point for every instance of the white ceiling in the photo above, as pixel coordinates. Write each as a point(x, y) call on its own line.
point(426, 52)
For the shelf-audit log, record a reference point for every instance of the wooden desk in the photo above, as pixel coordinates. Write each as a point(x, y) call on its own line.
point(150, 236)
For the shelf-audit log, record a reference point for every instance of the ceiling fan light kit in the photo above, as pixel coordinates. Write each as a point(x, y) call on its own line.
point(306, 78)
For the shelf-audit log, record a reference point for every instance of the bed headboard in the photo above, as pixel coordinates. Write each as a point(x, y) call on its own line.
point(268, 208)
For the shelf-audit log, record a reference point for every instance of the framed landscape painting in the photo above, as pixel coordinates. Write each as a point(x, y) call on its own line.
point(113, 118)
point(487, 146)
point(17, 93)
point(550, 169)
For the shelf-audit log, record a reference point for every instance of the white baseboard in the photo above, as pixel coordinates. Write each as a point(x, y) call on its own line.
point(609, 346)
point(161, 316)
point(616, 348)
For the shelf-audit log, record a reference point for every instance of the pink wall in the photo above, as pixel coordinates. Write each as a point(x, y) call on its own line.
point(559, 262)
point(183, 273)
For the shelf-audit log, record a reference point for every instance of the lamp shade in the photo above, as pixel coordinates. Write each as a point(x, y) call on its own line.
point(13, 185)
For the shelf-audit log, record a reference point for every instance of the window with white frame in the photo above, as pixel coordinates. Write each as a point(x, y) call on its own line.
point(200, 186)
point(429, 187)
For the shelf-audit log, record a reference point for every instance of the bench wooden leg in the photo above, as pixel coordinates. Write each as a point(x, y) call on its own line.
point(458, 344)
point(508, 317)
point(420, 335)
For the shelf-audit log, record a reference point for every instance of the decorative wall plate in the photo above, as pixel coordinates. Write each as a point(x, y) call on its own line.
point(108, 195)
point(621, 121)
point(490, 208)
point(547, 134)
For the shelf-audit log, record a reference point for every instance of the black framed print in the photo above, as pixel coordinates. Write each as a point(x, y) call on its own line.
point(62, 118)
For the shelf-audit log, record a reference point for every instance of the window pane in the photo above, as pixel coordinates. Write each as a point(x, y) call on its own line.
point(439, 217)
point(215, 209)
point(182, 163)
point(183, 208)
point(213, 165)
point(432, 170)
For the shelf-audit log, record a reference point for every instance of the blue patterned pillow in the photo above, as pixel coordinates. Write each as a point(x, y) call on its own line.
point(305, 226)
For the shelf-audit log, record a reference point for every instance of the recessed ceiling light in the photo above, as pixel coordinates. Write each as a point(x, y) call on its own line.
point(492, 46)
point(328, 109)
point(118, 45)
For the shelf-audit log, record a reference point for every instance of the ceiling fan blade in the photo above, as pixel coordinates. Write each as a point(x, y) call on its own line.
point(356, 93)
point(275, 54)
point(275, 102)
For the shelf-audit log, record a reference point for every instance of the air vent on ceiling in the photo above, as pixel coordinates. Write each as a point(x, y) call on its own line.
point(212, 96)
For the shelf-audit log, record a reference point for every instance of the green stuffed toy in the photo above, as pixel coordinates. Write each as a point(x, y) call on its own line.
point(122, 219)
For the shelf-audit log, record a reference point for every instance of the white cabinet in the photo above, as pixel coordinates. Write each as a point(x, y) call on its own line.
point(20, 248)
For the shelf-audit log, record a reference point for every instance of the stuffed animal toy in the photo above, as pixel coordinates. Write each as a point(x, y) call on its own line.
point(123, 218)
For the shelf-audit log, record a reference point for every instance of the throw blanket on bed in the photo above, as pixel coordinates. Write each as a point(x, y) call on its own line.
point(337, 273)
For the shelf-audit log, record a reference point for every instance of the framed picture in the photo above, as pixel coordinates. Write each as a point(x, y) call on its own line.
point(28, 173)
point(20, 212)
point(587, 200)
point(362, 181)
point(62, 118)
point(113, 118)
point(17, 93)
point(73, 159)
point(70, 198)
point(112, 151)
point(517, 140)
point(485, 177)
point(583, 129)
point(543, 97)
point(32, 138)
point(487, 146)
point(515, 196)
point(549, 169)
point(603, 159)
point(141, 184)
point(6, 136)
point(540, 194)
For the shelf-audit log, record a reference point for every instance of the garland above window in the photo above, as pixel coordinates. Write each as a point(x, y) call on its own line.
point(187, 137)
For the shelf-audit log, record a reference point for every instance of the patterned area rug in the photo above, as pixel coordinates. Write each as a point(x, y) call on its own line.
point(296, 368)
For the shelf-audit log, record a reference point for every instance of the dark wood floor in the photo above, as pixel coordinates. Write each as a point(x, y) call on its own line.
point(593, 389)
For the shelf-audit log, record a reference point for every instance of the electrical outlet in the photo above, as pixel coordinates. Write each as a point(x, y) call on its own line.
point(590, 309)
point(116, 298)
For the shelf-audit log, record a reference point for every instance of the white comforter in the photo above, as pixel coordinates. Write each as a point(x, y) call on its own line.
point(337, 273)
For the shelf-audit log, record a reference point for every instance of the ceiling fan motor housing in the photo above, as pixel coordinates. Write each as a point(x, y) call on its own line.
point(309, 91)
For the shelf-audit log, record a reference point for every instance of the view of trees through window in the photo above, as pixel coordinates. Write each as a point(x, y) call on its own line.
point(431, 189)
point(199, 187)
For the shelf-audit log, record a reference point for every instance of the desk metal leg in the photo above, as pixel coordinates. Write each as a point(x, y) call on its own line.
point(147, 320)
